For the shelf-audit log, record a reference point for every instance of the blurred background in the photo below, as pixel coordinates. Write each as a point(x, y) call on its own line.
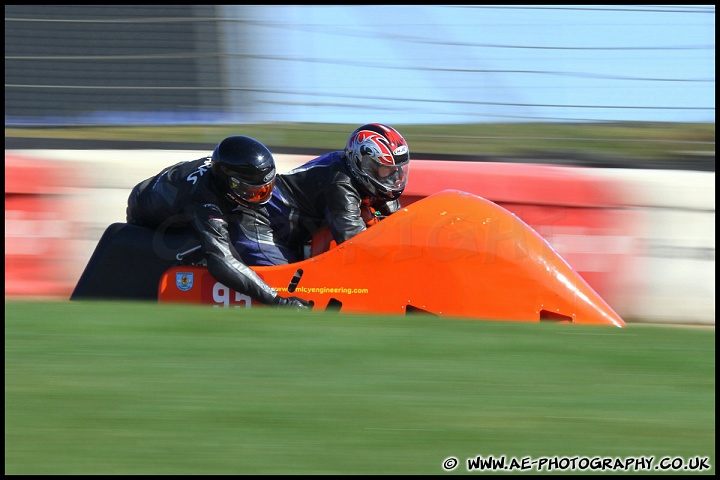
point(616, 100)
point(180, 64)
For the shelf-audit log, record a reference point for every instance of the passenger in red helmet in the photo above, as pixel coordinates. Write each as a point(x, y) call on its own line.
point(343, 190)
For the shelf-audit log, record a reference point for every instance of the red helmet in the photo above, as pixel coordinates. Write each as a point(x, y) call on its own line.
point(379, 158)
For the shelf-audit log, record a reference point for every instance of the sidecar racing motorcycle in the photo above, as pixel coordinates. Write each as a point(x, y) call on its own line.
point(450, 254)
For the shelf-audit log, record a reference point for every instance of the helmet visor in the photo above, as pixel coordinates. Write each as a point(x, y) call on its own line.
point(391, 177)
point(255, 194)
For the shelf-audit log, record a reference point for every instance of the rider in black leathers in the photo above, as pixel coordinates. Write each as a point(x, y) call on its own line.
point(338, 190)
point(218, 196)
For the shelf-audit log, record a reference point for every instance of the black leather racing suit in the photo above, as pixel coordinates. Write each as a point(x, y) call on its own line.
point(185, 194)
point(321, 192)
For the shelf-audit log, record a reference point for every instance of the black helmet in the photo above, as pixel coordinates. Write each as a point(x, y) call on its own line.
point(379, 158)
point(244, 170)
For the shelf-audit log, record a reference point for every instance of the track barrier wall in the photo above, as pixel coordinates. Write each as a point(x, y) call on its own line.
point(41, 226)
point(643, 239)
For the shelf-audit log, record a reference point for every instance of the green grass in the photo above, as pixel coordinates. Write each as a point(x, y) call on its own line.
point(133, 388)
point(627, 140)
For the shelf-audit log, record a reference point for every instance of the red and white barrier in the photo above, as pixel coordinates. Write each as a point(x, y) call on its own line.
point(40, 226)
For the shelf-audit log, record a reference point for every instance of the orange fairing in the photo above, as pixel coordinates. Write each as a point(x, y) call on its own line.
point(452, 254)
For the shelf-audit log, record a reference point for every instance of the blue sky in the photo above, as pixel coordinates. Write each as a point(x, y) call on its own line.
point(458, 64)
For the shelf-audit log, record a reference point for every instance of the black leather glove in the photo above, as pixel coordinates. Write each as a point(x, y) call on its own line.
point(292, 302)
